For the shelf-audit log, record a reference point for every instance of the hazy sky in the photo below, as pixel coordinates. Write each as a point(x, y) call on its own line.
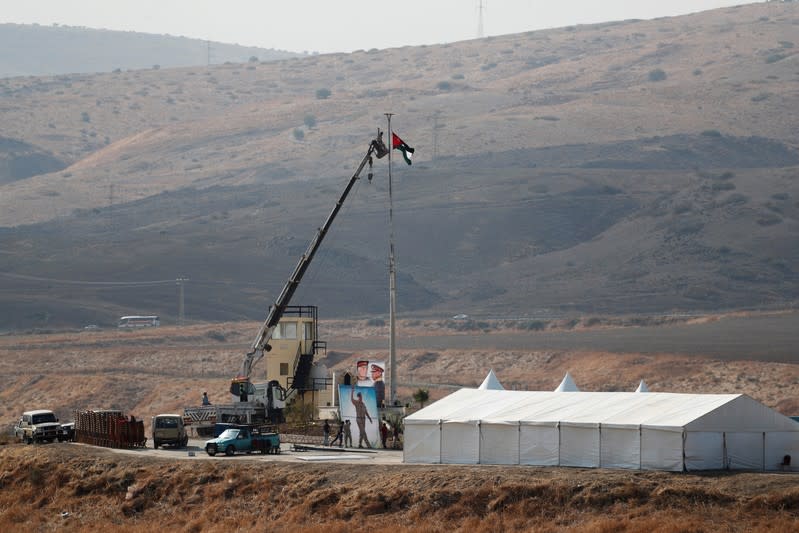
point(338, 25)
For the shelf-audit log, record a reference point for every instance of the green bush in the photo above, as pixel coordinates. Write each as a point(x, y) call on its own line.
point(310, 121)
point(216, 335)
point(444, 86)
point(299, 134)
point(657, 75)
point(723, 186)
point(323, 94)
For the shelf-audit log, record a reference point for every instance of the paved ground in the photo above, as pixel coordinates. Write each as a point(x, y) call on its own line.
point(195, 452)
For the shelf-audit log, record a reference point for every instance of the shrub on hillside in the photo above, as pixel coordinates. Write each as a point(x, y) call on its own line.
point(323, 94)
point(657, 75)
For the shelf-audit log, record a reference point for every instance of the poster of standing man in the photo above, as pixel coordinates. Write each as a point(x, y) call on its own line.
point(359, 406)
point(376, 370)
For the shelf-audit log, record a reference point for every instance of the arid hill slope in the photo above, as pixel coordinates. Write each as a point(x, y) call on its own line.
point(627, 167)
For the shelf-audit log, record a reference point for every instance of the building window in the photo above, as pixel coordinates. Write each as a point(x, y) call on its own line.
point(290, 330)
point(285, 331)
point(284, 369)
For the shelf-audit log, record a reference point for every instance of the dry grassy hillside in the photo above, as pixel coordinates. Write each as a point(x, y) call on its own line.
point(729, 70)
point(77, 488)
point(628, 167)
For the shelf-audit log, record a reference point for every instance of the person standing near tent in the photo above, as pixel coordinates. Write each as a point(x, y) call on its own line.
point(384, 433)
point(361, 414)
point(326, 430)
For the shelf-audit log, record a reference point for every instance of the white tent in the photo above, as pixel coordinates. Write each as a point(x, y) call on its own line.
point(567, 385)
point(491, 382)
point(653, 431)
point(642, 387)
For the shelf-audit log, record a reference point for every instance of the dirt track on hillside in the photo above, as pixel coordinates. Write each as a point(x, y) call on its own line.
point(765, 337)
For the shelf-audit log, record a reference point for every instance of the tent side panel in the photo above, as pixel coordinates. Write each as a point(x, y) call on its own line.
point(704, 450)
point(778, 445)
point(538, 445)
point(745, 450)
point(460, 443)
point(499, 444)
point(620, 448)
point(661, 450)
point(579, 446)
point(422, 443)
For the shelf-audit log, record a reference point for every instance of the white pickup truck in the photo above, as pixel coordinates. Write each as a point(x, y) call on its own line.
point(39, 426)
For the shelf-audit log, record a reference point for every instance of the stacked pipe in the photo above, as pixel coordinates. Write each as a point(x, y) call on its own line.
point(108, 428)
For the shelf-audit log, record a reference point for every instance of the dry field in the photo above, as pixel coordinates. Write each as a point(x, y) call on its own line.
point(72, 487)
point(164, 369)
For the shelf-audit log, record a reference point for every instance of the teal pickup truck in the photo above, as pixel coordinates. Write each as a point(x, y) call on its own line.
point(243, 439)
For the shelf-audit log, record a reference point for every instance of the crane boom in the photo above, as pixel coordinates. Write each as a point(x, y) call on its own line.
point(261, 341)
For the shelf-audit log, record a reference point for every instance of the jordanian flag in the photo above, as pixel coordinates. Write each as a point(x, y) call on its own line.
point(399, 144)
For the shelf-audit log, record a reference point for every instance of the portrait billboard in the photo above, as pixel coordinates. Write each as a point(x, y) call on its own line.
point(362, 377)
point(376, 371)
point(358, 405)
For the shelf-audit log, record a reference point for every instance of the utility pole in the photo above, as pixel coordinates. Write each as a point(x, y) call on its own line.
point(392, 280)
point(480, 9)
point(181, 281)
point(436, 127)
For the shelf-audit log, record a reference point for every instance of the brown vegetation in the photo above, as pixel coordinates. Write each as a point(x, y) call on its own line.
point(74, 487)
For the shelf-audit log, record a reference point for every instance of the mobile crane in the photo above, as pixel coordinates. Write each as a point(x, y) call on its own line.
point(241, 387)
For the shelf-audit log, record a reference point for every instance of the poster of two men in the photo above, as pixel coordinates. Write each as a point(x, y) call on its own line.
point(359, 402)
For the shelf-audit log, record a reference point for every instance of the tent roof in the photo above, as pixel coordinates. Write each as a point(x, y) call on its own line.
point(491, 382)
point(696, 412)
point(642, 387)
point(567, 385)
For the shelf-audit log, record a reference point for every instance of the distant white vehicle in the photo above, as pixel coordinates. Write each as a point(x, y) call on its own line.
point(460, 317)
point(139, 321)
point(91, 327)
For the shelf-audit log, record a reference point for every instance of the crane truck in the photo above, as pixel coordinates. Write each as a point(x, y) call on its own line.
point(253, 402)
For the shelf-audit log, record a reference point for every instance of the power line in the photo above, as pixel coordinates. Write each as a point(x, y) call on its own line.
point(75, 282)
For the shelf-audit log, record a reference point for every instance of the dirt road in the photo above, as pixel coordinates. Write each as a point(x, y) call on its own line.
point(768, 337)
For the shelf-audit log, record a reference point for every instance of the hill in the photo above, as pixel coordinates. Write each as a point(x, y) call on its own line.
point(73, 488)
point(34, 50)
point(627, 167)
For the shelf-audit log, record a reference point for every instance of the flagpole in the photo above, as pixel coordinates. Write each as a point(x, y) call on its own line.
point(392, 280)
